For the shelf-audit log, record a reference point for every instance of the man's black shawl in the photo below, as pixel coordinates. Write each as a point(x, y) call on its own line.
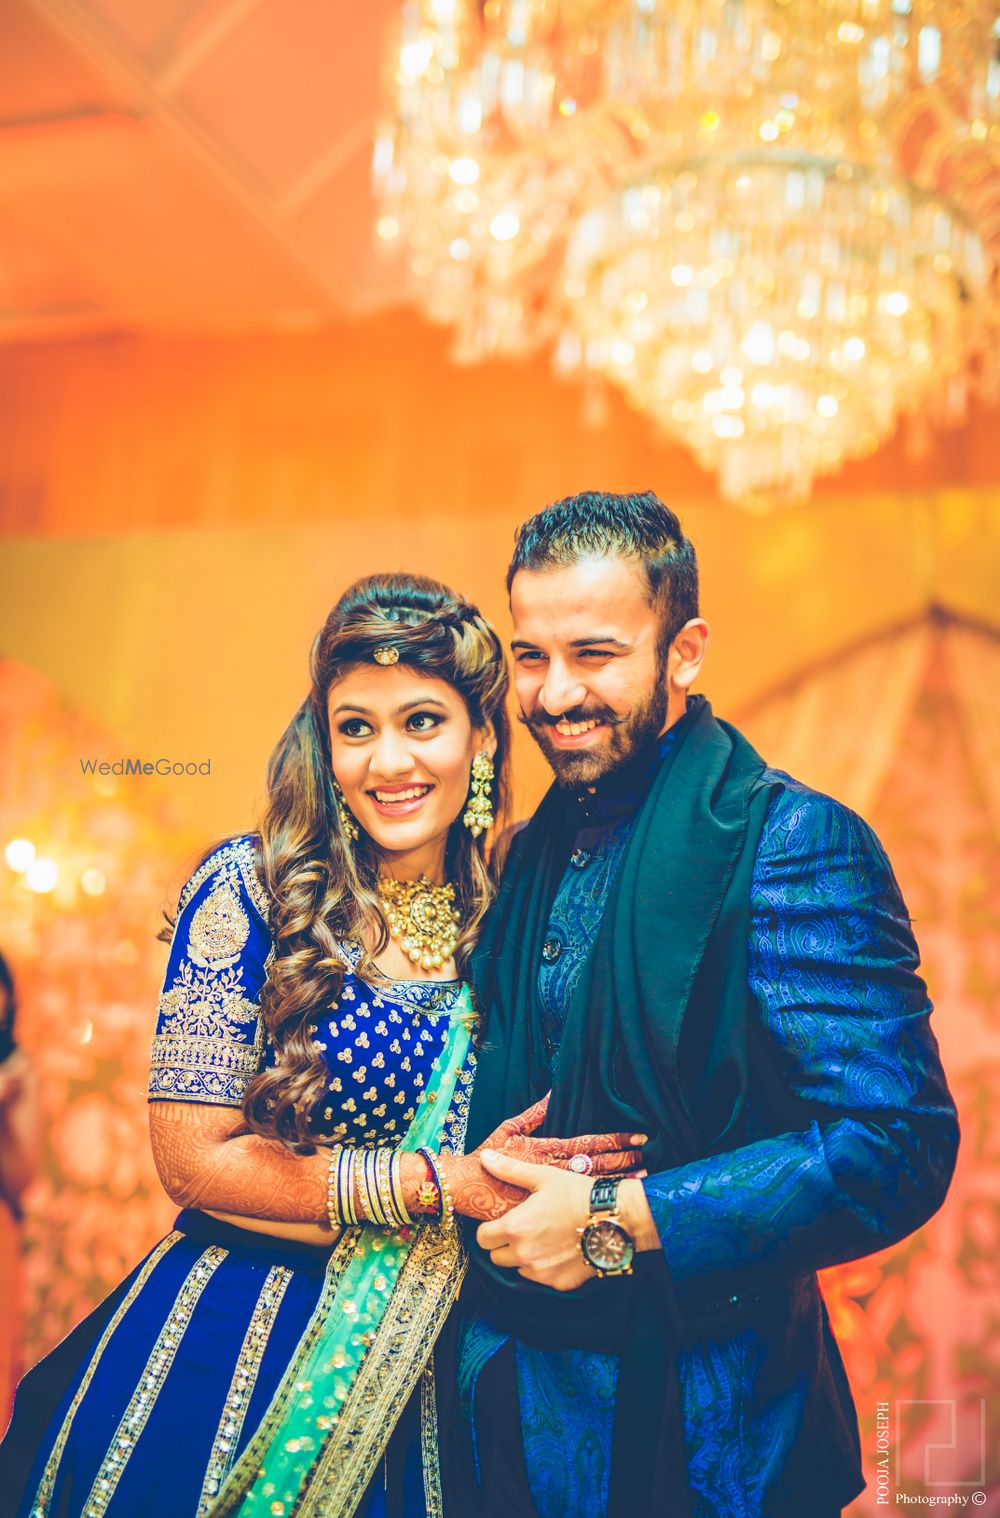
point(656, 1040)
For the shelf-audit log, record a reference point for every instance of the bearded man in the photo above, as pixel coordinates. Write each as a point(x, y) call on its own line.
point(695, 946)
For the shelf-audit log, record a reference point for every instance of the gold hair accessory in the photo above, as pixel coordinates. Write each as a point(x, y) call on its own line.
point(386, 653)
point(422, 916)
point(479, 813)
point(347, 821)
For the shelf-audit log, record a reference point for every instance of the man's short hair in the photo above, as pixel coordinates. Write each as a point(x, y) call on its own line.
point(596, 524)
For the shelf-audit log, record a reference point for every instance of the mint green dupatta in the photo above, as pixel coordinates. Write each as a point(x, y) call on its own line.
point(384, 1301)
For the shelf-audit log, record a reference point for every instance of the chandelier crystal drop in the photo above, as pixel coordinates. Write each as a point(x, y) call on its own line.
point(773, 224)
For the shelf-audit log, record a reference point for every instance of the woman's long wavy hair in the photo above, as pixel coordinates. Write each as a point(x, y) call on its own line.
point(322, 885)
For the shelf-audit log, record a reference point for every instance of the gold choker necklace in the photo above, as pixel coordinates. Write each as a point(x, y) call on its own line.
point(422, 916)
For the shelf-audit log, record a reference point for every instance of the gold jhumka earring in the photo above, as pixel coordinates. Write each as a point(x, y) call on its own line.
point(479, 812)
point(347, 821)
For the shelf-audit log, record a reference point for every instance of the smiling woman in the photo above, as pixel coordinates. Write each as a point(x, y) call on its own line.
point(309, 1086)
point(395, 739)
point(402, 744)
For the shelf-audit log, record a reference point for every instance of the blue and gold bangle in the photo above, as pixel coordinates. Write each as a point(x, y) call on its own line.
point(341, 1167)
point(377, 1189)
point(447, 1206)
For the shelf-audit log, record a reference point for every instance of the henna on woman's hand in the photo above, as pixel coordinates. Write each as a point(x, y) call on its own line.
point(477, 1194)
point(609, 1153)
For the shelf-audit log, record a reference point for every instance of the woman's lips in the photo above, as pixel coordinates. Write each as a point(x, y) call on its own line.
point(399, 801)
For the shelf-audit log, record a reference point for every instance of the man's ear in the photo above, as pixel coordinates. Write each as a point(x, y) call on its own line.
point(687, 653)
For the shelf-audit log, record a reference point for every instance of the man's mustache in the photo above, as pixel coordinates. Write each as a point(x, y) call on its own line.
point(602, 714)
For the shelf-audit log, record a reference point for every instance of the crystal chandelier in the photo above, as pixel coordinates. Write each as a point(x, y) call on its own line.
point(773, 224)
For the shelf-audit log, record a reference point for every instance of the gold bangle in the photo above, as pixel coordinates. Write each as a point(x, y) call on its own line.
point(396, 1187)
point(385, 1196)
point(447, 1203)
point(373, 1205)
point(332, 1183)
point(347, 1200)
point(378, 1180)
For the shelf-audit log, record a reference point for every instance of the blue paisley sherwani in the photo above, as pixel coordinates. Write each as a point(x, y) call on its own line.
point(865, 1160)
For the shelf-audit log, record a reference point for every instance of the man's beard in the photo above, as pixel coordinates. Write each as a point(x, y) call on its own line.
point(630, 737)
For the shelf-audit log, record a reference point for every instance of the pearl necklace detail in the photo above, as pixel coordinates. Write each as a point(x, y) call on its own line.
point(422, 916)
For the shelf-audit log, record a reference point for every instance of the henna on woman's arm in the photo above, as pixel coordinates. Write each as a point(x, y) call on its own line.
point(478, 1194)
point(204, 1162)
point(475, 1192)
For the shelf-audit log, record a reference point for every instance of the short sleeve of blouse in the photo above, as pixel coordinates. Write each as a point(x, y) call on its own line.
point(209, 1040)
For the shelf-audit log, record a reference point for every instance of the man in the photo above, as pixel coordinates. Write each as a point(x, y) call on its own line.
point(698, 947)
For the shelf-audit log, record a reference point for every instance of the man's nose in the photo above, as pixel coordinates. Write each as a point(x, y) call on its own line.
point(560, 691)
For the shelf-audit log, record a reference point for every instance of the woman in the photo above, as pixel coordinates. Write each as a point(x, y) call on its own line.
point(271, 1350)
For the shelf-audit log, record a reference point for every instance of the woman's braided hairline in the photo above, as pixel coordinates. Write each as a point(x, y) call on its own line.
point(420, 616)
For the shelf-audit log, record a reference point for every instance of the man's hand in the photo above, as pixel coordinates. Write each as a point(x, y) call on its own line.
point(540, 1238)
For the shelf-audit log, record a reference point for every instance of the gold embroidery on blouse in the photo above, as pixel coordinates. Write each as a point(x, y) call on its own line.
point(234, 861)
point(209, 1042)
point(46, 1486)
point(219, 929)
point(145, 1396)
point(205, 1003)
point(234, 1410)
point(211, 1070)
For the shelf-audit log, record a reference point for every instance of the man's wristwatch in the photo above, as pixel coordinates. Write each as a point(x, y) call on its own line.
point(605, 1242)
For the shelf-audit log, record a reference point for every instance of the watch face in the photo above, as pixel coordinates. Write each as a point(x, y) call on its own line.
point(607, 1246)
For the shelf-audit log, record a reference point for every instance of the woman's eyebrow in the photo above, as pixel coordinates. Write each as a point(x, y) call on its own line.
point(421, 701)
point(364, 711)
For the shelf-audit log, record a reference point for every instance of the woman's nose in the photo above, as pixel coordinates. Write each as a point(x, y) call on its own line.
point(391, 757)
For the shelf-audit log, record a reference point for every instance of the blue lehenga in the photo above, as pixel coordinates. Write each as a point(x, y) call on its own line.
point(189, 1359)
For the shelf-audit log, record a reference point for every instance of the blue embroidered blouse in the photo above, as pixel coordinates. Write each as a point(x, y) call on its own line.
point(191, 1350)
point(832, 968)
point(379, 1044)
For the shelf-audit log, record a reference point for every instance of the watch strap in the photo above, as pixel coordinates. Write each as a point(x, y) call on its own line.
point(604, 1194)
